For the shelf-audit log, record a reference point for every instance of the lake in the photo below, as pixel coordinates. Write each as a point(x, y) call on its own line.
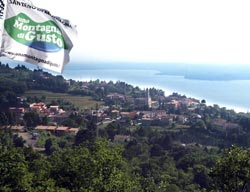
point(232, 94)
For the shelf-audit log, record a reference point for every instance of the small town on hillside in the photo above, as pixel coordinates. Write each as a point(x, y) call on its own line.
point(130, 109)
point(104, 114)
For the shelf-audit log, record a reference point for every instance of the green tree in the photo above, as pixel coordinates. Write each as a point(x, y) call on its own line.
point(232, 171)
point(48, 145)
point(45, 120)
point(18, 141)
point(86, 136)
point(31, 118)
point(100, 169)
point(3, 118)
point(203, 101)
point(14, 171)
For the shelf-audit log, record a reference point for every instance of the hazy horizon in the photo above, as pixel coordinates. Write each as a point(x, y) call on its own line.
point(156, 31)
point(188, 71)
point(227, 87)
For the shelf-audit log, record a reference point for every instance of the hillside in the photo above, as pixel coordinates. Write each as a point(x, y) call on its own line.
point(112, 136)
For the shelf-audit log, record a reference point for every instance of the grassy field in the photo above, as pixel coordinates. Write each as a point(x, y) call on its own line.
point(79, 101)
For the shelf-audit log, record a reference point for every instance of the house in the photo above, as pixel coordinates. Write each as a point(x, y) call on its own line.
point(129, 99)
point(73, 130)
point(181, 119)
point(85, 85)
point(140, 102)
point(166, 120)
point(17, 128)
point(46, 128)
point(221, 124)
point(115, 113)
point(154, 114)
point(174, 104)
point(54, 109)
point(17, 110)
point(125, 115)
point(58, 118)
point(147, 121)
point(97, 113)
point(38, 107)
point(61, 130)
point(116, 96)
point(58, 130)
point(190, 102)
point(129, 115)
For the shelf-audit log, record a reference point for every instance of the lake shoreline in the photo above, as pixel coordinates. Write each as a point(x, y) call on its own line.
point(168, 92)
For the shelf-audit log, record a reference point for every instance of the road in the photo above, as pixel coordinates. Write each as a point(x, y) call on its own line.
point(29, 142)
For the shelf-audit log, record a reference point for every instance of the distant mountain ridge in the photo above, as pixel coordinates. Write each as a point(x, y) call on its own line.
point(188, 71)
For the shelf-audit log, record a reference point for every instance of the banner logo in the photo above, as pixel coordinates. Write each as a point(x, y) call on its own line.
point(45, 36)
point(32, 34)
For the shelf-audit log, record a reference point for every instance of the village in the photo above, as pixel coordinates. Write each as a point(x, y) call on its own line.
point(105, 114)
point(171, 112)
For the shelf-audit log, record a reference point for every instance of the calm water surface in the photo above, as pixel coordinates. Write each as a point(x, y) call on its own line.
point(231, 94)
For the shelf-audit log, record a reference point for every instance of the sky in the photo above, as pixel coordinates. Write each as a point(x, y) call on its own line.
point(157, 31)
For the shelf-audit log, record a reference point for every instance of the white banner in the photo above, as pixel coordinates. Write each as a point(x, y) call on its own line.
point(32, 34)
